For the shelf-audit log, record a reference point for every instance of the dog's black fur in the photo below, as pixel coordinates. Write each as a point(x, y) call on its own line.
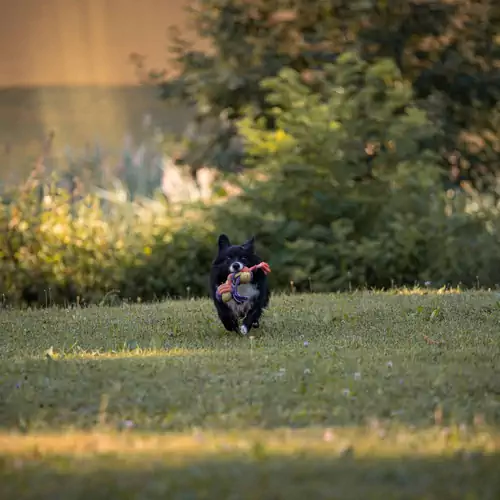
point(250, 312)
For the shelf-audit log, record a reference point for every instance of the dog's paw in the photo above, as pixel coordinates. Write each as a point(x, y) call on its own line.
point(255, 324)
point(243, 329)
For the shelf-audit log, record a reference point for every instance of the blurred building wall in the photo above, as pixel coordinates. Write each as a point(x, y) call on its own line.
point(82, 42)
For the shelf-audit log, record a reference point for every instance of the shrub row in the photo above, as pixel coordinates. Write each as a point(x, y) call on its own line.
point(345, 191)
point(60, 253)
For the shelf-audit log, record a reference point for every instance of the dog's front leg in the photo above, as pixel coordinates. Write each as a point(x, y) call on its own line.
point(252, 319)
point(227, 318)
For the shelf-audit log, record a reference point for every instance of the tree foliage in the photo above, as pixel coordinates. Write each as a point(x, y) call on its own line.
point(448, 49)
point(346, 112)
point(346, 189)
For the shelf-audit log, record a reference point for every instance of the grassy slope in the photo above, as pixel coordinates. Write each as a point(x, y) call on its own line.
point(337, 396)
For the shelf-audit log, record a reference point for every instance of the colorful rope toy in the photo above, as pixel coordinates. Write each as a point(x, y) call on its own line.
point(229, 290)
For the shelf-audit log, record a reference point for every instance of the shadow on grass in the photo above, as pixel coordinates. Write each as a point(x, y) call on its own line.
point(152, 389)
point(236, 388)
point(254, 476)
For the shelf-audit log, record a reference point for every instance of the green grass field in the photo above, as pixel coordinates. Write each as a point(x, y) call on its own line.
point(355, 396)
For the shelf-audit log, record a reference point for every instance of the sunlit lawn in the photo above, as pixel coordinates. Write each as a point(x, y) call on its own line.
point(342, 396)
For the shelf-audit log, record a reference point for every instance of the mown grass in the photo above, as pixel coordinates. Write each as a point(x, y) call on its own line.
point(363, 395)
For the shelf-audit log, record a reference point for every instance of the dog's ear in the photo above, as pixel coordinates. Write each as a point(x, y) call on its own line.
point(223, 242)
point(249, 245)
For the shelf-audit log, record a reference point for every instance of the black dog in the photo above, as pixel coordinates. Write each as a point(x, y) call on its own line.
point(231, 259)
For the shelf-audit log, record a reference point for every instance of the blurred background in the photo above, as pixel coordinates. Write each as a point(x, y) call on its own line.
point(359, 140)
point(65, 68)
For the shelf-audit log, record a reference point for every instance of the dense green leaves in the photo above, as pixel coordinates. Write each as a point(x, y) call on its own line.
point(345, 120)
point(343, 152)
point(57, 251)
point(448, 50)
point(347, 187)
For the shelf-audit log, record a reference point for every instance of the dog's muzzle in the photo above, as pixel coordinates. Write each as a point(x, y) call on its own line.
point(236, 267)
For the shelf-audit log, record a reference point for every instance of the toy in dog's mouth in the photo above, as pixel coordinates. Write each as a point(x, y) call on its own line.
point(229, 290)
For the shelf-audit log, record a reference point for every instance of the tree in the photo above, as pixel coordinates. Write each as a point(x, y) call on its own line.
point(324, 211)
point(448, 49)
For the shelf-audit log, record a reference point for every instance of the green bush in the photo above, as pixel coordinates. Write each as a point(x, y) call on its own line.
point(55, 250)
point(348, 187)
point(345, 192)
point(58, 253)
